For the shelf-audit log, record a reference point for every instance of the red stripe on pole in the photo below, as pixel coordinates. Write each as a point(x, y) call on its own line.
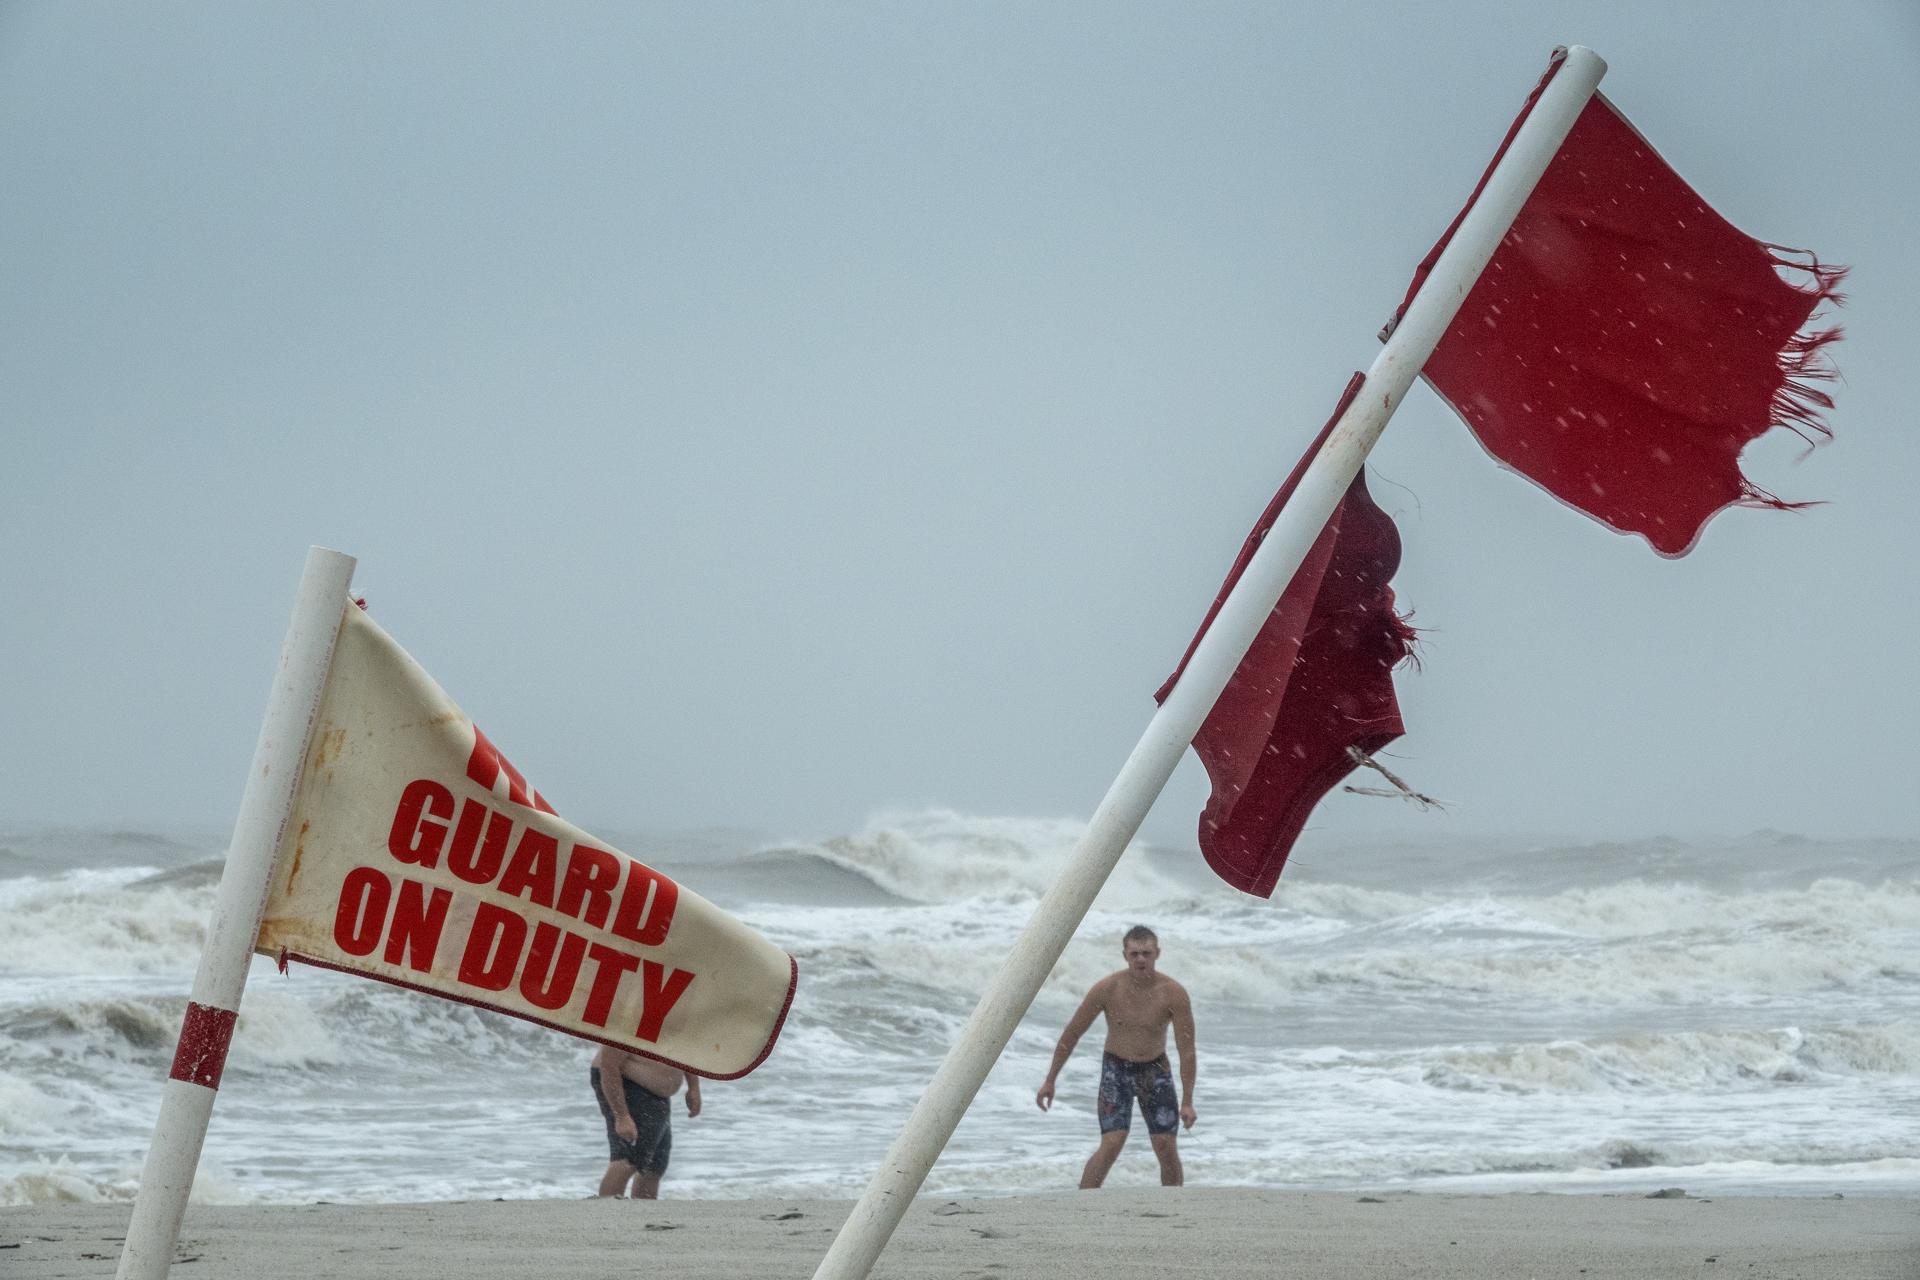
point(205, 1034)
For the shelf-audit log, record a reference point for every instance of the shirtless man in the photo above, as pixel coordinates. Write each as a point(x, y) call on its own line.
point(1139, 1005)
point(635, 1095)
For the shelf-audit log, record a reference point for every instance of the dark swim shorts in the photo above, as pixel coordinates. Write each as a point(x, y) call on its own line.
point(1122, 1081)
point(652, 1116)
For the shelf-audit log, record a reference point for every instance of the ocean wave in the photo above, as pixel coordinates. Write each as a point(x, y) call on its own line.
point(792, 875)
point(1626, 944)
point(376, 1022)
point(1625, 908)
point(939, 856)
point(118, 1027)
point(50, 850)
point(204, 874)
point(1637, 908)
point(61, 1181)
point(1629, 943)
point(1275, 959)
point(1684, 1061)
point(1661, 971)
point(306, 1019)
point(273, 1031)
point(100, 921)
point(1743, 1168)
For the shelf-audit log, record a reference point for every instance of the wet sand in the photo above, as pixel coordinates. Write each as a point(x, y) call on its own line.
point(1219, 1233)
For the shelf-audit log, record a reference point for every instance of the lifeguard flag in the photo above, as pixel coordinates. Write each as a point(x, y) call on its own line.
point(1317, 680)
point(416, 854)
point(1626, 342)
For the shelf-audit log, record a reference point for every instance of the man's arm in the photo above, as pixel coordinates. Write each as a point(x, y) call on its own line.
point(1182, 1010)
point(613, 1087)
point(1076, 1027)
point(693, 1094)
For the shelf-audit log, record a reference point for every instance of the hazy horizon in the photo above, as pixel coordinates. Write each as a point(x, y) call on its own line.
point(773, 418)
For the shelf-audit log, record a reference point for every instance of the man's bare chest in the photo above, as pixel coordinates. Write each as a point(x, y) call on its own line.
point(1144, 1010)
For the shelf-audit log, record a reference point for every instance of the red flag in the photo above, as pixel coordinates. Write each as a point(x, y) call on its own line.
point(1317, 680)
point(1626, 342)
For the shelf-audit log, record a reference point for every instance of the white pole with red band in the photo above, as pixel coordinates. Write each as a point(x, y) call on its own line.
point(306, 657)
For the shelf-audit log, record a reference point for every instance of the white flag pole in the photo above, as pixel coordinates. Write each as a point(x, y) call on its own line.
point(306, 656)
point(1214, 660)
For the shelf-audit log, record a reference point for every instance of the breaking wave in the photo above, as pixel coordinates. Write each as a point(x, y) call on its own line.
point(1488, 1018)
point(1689, 1061)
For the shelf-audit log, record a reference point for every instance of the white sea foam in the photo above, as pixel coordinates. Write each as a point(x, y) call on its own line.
point(941, 857)
point(59, 1183)
point(23, 1107)
point(1691, 1061)
point(101, 921)
point(1554, 1019)
point(67, 1181)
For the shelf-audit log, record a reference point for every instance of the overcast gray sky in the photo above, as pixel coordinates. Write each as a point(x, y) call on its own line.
point(777, 415)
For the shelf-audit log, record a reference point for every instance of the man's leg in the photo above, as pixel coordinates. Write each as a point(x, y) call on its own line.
point(1102, 1159)
point(614, 1180)
point(655, 1126)
point(1166, 1148)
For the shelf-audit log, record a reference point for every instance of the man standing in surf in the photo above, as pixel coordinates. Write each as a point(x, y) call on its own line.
point(636, 1100)
point(1140, 1004)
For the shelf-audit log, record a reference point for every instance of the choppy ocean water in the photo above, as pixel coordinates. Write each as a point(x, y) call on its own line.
point(1737, 1016)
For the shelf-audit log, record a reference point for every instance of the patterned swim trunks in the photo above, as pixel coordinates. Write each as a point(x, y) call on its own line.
point(1122, 1081)
point(652, 1114)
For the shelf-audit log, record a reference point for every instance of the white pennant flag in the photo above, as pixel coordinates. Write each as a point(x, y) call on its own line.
point(416, 854)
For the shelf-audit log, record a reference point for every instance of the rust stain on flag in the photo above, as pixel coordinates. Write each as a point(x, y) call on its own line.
point(299, 852)
point(326, 752)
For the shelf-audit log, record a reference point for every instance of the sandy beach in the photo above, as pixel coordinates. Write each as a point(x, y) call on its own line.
point(1224, 1234)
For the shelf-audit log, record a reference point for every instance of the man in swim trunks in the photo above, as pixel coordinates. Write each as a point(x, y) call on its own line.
point(635, 1096)
point(1139, 1004)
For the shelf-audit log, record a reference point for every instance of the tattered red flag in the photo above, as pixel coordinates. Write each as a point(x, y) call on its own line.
point(1316, 681)
point(1626, 342)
